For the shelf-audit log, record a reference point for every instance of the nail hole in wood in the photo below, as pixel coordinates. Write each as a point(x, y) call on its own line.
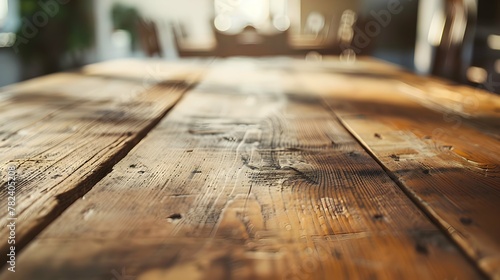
point(421, 249)
point(378, 217)
point(466, 221)
point(174, 217)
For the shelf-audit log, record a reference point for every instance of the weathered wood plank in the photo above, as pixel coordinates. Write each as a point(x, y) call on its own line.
point(441, 145)
point(243, 181)
point(458, 103)
point(64, 132)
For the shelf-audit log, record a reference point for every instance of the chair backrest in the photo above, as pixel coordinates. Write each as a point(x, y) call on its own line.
point(177, 36)
point(454, 53)
point(148, 36)
point(251, 43)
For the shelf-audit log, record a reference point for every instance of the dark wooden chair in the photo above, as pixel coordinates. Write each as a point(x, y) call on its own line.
point(454, 53)
point(250, 42)
point(149, 38)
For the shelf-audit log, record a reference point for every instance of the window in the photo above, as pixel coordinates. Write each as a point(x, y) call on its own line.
point(234, 15)
point(4, 7)
point(7, 39)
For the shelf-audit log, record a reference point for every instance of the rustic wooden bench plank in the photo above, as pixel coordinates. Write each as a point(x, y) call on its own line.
point(445, 156)
point(244, 181)
point(64, 132)
point(460, 104)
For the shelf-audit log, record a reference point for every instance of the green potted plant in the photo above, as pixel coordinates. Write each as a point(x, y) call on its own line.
point(53, 35)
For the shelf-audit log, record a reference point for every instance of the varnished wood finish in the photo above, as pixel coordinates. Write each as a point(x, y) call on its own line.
point(64, 132)
point(439, 141)
point(250, 176)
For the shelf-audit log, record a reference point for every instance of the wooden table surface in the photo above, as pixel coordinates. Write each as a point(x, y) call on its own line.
point(274, 168)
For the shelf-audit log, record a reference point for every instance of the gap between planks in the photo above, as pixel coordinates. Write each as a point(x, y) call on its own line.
point(66, 199)
point(411, 195)
point(159, 82)
point(452, 176)
point(309, 188)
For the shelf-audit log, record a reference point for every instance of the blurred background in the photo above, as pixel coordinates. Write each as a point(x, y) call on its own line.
point(455, 39)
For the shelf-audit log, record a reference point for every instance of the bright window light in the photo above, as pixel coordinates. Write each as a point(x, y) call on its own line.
point(255, 11)
point(477, 74)
point(4, 7)
point(7, 40)
point(236, 14)
point(494, 42)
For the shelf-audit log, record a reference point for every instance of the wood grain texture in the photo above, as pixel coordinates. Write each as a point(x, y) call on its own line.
point(243, 180)
point(64, 132)
point(440, 142)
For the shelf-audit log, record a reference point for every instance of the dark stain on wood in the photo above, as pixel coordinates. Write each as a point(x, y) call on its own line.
point(421, 249)
point(466, 221)
point(175, 216)
point(395, 157)
point(378, 217)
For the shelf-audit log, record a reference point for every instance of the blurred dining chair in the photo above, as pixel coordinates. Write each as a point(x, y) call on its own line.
point(454, 52)
point(341, 36)
point(251, 42)
point(149, 37)
point(187, 48)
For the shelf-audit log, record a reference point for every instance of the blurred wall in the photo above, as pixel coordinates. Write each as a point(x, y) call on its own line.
point(10, 67)
point(431, 15)
point(396, 40)
point(194, 15)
